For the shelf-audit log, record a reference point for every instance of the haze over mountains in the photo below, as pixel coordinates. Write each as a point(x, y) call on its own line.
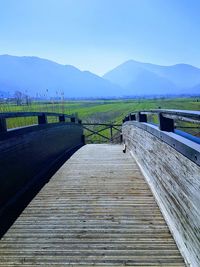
point(147, 79)
point(41, 77)
point(36, 76)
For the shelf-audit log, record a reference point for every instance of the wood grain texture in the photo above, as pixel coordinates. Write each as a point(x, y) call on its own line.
point(96, 210)
point(175, 181)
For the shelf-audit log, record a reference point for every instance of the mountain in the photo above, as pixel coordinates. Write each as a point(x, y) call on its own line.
point(137, 78)
point(196, 89)
point(43, 77)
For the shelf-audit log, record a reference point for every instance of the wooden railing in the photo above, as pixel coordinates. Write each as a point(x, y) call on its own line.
point(170, 160)
point(107, 132)
point(41, 118)
point(166, 117)
point(30, 152)
point(167, 121)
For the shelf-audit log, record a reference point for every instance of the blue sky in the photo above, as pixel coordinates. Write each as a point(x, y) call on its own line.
point(97, 35)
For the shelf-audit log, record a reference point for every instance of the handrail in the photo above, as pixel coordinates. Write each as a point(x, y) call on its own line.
point(102, 124)
point(31, 114)
point(179, 112)
point(184, 115)
point(185, 143)
point(42, 117)
point(166, 117)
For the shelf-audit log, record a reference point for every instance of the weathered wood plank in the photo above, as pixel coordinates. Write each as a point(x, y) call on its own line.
point(96, 210)
point(175, 181)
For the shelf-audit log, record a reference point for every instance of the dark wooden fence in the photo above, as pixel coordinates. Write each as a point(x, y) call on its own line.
point(29, 155)
point(102, 133)
point(41, 118)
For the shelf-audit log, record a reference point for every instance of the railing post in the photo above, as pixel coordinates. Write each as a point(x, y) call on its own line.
point(62, 118)
point(141, 117)
point(80, 121)
point(132, 117)
point(111, 134)
point(3, 126)
point(83, 139)
point(121, 138)
point(73, 119)
point(165, 124)
point(127, 118)
point(42, 119)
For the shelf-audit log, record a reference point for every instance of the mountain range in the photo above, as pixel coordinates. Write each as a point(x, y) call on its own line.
point(45, 78)
point(147, 79)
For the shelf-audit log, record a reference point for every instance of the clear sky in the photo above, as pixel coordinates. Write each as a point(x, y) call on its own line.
point(97, 35)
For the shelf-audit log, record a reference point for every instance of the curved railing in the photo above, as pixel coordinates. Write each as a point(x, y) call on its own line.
point(170, 160)
point(41, 117)
point(31, 150)
point(167, 119)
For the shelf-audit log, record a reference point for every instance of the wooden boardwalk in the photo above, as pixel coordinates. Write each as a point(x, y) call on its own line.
point(96, 210)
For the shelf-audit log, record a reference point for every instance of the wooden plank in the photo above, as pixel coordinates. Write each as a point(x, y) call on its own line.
point(96, 210)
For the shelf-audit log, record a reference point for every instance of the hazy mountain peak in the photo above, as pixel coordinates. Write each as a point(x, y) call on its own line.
point(177, 78)
point(36, 74)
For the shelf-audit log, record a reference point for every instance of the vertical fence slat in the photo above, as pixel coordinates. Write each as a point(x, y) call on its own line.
point(61, 118)
point(3, 126)
point(165, 124)
point(73, 119)
point(42, 119)
point(141, 117)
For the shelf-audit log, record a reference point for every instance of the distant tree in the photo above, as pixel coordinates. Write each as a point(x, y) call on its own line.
point(27, 100)
point(18, 98)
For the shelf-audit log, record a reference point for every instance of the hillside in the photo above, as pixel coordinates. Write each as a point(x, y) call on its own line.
point(138, 78)
point(46, 78)
point(41, 77)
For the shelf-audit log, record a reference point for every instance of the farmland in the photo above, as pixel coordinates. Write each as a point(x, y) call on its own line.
point(101, 111)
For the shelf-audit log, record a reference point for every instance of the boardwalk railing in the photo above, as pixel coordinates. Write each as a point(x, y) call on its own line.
point(166, 117)
point(31, 153)
point(170, 160)
point(171, 121)
point(41, 117)
point(102, 132)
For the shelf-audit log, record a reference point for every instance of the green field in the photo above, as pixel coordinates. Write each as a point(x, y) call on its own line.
point(101, 111)
point(104, 110)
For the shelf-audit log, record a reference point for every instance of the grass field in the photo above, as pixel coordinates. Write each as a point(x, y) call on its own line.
point(101, 111)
